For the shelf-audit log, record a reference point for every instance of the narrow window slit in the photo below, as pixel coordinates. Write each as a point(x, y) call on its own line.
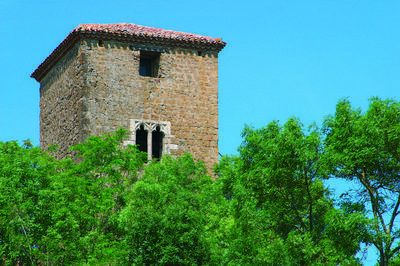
point(141, 139)
point(157, 143)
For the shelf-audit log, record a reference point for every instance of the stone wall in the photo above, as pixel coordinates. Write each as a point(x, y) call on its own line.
point(96, 88)
point(61, 92)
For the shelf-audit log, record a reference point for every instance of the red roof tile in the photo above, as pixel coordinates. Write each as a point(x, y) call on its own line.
point(143, 31)
point(129, 33)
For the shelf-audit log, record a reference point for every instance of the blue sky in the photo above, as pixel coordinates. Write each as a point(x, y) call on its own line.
point(282, 59)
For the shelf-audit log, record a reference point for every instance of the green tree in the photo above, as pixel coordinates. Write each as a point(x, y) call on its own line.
point(268, 205)
point(364, 147)
point(170, 218)
point(24, 172)
point(282, 211)
point(86, 198)
point(65, 212)
point(104, 206)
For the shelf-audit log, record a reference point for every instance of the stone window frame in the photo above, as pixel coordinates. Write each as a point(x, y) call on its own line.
point(150, 126)
point(152, 53)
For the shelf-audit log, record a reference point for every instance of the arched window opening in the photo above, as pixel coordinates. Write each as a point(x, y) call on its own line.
point(157, 143)
point(141, 138)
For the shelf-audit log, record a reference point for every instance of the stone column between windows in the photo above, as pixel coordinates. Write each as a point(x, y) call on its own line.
point(149, 145)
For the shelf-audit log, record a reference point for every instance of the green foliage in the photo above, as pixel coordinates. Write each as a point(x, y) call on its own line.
point(105, 207)
point(282, 212)
point(64, 212)
point(268, 206)
point(164, 220)
point(364, 147)
point(87, 197)
point(24, 173)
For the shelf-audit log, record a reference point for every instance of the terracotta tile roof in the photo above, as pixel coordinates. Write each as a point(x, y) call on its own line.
point(147, 32)
point(129, 33)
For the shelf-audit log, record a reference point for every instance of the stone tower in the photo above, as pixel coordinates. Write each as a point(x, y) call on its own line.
point(161, 85)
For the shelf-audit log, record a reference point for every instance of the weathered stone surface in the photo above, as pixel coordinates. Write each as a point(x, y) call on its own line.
point(96, 88)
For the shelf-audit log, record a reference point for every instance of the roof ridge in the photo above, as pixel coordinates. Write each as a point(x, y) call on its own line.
point(136, 29)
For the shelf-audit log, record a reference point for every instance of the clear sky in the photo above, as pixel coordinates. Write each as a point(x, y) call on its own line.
point(282, 59)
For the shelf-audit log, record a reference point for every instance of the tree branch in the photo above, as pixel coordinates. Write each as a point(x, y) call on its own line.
point(374, 203)
point(394, 214)
point(293, 207)
point(26, 234)
point(309, 199)
point(396, 249)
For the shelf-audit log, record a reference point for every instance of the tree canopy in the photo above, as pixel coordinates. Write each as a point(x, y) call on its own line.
point(364, 147)
point(266, 206)
point(278, 198)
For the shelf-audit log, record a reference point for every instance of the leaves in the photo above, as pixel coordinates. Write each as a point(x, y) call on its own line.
point(268, 205)
point(364, 146)
point(164, 220)
point(282, 212)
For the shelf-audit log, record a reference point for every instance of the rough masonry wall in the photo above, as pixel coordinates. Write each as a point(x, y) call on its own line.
point(61, 92)
point(185, 93)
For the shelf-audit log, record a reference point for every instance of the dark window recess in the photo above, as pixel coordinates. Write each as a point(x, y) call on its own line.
point(149, 64)
point(157, 143)
point(141, 139)
point(146, 67)
point(101, 43)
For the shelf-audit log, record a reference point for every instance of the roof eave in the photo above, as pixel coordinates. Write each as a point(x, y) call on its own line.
point(75, 36)
point(56, 55)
